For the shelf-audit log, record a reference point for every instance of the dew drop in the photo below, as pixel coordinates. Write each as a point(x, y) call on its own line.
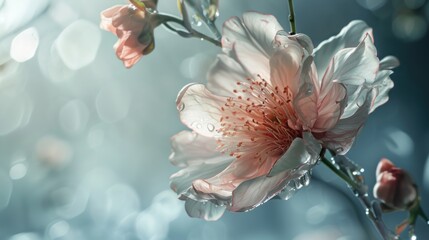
point(305, 179)
point(298, 184)
point(196, 20)
point(210, 127)
point(181, 107)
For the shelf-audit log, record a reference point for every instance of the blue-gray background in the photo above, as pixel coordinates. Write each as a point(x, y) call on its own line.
point(84, 142)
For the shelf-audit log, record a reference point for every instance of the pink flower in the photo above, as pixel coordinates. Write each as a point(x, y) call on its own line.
point(134, 28)
point(394, 186)
point(271, 103)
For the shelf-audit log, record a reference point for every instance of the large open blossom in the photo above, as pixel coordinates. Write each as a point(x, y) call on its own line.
point(133, 25)
point(271, 103)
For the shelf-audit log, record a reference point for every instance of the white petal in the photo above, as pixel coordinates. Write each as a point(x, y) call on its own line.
point(251, 45)
point(189, 148)
point(200, 109)
point(205, 210)
point(304, 41)
point(389, 62)
point(262, 28)
point(350, 36)
point(358, 65)
point(224, 75)
point(382, 84)
point(202, 168)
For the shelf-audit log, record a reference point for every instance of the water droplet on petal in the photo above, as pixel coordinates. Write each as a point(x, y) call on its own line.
point(181, 107)
point(338, 150)
point(305, 179)
point(210, 127)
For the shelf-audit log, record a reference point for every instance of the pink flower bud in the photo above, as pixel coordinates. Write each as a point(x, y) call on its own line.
point(134, 28)
point(394, 186)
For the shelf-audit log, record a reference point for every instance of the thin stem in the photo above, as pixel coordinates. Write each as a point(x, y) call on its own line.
point(292, 18)
point(165, 19)
point(339, 173)
point(372, 210)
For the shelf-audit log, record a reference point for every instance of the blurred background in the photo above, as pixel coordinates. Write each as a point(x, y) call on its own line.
point(84, 142)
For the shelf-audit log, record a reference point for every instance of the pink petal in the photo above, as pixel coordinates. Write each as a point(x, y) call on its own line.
point(306, 100)
point(341, 137)
point(384, 165)
point(107, 16)
point(331, 102)
point(285, 67)
point(294, 163)
point(200, 109)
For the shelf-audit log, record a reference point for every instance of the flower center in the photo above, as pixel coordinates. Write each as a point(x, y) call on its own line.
point(258, 122)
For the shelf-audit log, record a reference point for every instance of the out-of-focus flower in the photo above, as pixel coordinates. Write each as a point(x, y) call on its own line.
point(134, 26)
point(394, 187)
point(270, 105)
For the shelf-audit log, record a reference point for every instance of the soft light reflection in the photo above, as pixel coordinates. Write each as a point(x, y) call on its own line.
point(53, 151)
point(153, 222)
point(317, 214)
point(25, 236)
point(58, 229)
point(113, 103)
point(74, 116)
point(50, 62)
point(71, 202)
point(18, 171)
point(15, 108)
point(95, 136)
point(414, 4)
point(399, 142)
point(409, 27)
point(62, 13)
point(6, 189)
point(24, 45)
point(372, 4)
point(426, 175)
point(78, 44)
point(8, 67)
